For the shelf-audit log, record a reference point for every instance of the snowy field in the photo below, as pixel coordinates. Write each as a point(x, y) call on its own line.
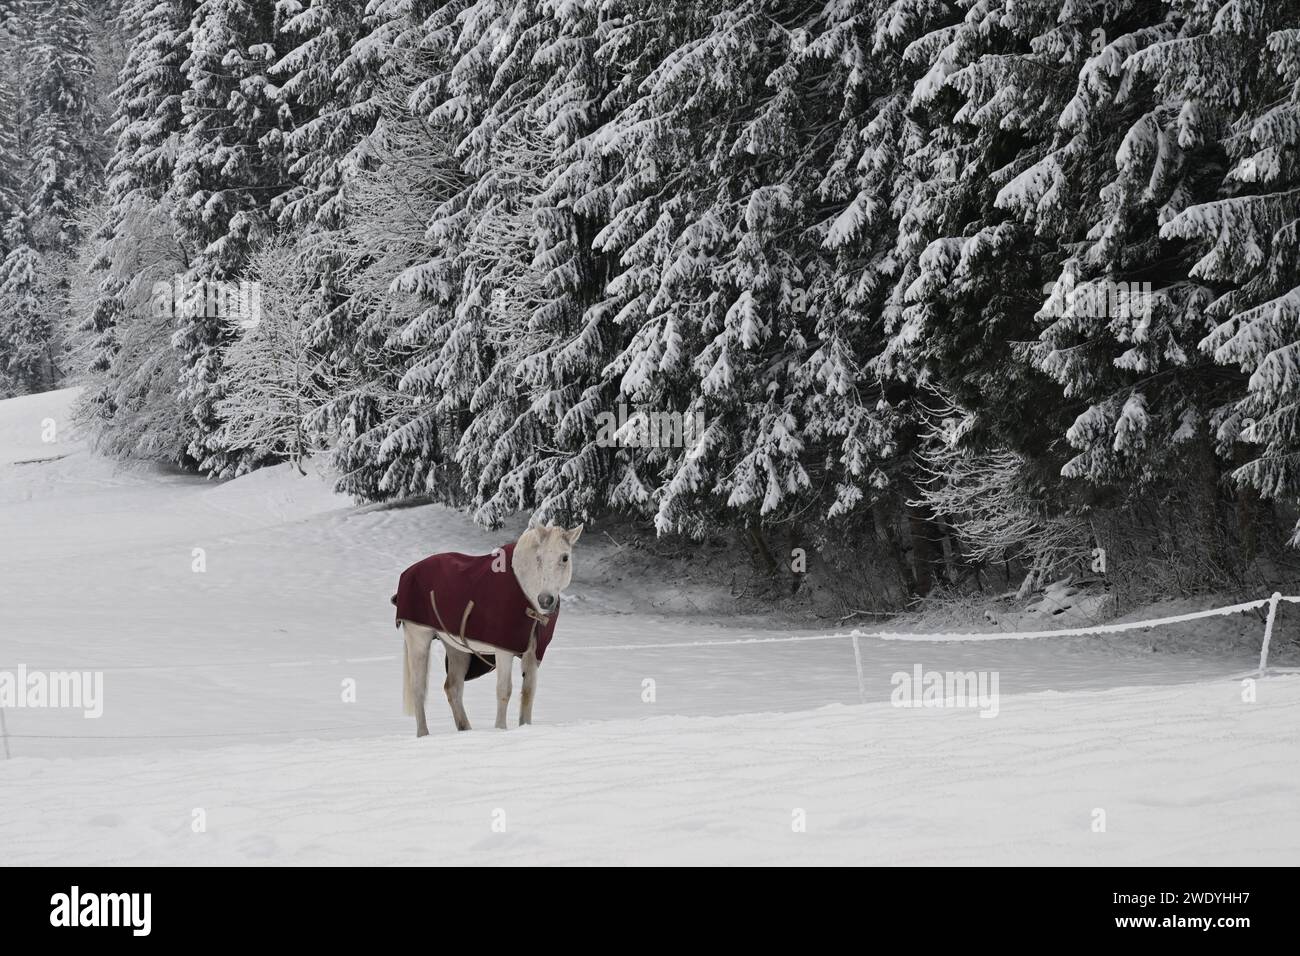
point(251, 682)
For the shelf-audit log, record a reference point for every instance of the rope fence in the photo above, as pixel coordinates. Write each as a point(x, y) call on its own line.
point(855, 636)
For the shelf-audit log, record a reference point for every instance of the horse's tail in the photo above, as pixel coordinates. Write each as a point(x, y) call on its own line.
point(408, 699)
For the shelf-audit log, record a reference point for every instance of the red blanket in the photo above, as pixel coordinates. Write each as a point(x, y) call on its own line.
point(499, 615)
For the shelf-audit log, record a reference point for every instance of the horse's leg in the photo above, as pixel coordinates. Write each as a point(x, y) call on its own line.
point(416, 672)
point(529, 667)
point(457, 668)
point(505, 664)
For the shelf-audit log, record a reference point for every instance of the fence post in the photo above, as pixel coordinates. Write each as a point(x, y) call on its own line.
point(1268, 630)
point(857, 659)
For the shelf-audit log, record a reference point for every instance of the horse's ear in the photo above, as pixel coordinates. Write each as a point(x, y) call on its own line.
point(573, 534)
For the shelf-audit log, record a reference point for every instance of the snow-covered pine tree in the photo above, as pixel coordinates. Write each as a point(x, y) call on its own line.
point(135, 244)
point(508, 436)
point(532, 281)
point(332, 88)
point(372, 339)
point(231, 165)
point(655, 169)
point(1123, 318)
point(342, 74)
point(858, 409)
point(966, 158)
point(986, 81)
point(1248, 237)
point(13, 160)
point(1097, 165)
point(27, 323)
point(50, 163)
point(718, 221)
point(566, 375)
point(509, 361)
point(64, 128)
point(473, 424)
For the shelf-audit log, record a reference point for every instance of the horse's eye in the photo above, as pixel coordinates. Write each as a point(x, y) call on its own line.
point(564, 559)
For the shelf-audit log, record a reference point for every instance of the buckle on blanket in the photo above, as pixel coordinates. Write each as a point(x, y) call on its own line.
point(538, 616)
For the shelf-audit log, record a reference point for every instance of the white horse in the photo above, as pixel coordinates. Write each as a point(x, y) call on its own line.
point(542, 565)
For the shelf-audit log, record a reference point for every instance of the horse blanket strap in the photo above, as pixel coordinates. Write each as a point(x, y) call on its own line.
point(482, 595)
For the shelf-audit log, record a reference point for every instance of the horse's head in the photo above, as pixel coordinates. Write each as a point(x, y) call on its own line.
point(543, 563)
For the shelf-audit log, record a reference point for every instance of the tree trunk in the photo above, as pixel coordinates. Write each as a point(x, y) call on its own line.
point(1247, 531)
point(764, 552)
point(920, 522)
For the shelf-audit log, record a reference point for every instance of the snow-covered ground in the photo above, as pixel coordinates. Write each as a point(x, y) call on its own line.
point(250, 672)
point(1183, 774)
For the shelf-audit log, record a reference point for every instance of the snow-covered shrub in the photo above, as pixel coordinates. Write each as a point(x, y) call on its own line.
point(130, 403)
point(78, 338)
point(271, 379)
point(998, 506)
